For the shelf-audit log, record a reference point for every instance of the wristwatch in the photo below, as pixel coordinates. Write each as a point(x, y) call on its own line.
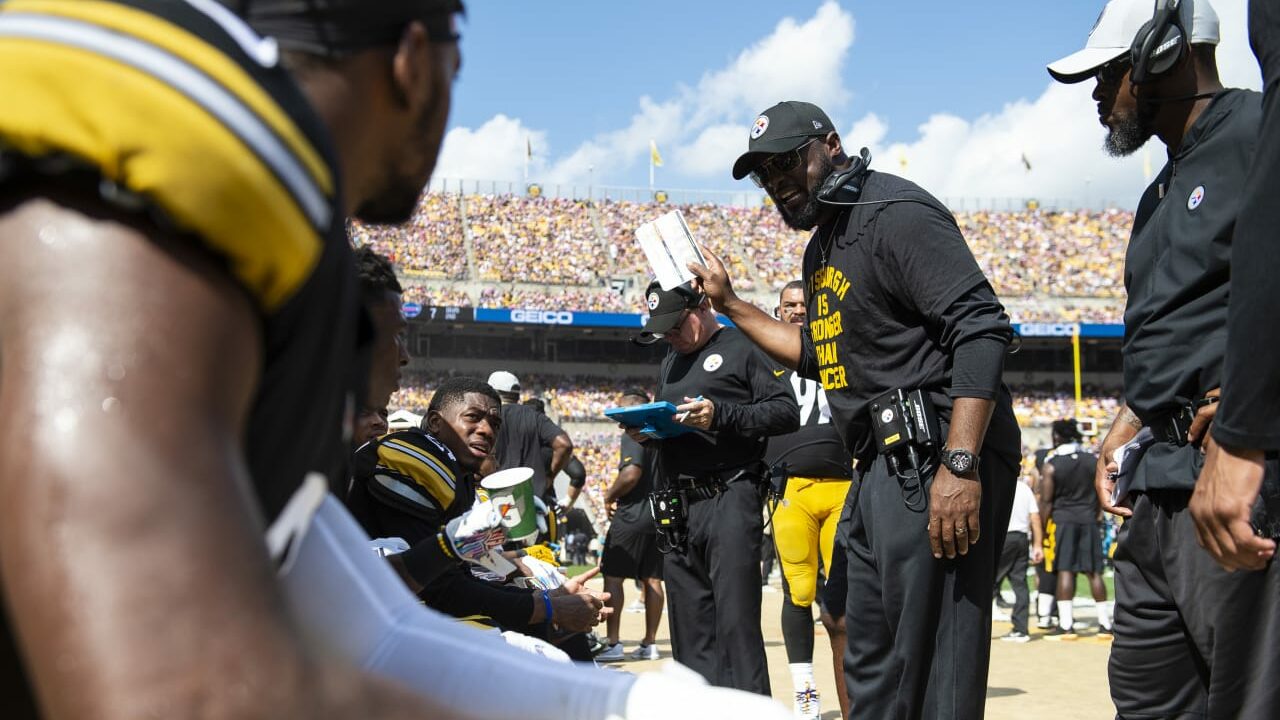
point(959, 462)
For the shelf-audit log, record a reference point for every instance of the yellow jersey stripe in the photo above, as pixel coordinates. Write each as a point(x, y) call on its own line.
point(193, 50)
point(418, 471)
point(152, 139)
point(427, 458)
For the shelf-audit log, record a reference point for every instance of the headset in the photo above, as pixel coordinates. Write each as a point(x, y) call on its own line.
point(1160, 44)
point(692, 298)
point(848, 183)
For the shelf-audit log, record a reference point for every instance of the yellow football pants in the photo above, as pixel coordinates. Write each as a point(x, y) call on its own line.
point(804, 525)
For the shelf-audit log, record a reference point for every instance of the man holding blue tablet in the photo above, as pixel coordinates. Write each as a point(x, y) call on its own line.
point(734, 398)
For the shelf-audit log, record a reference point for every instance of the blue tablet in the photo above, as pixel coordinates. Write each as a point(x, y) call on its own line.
point(653, 419)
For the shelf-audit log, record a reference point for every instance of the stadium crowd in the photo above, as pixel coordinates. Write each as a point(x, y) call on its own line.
point(431, 244)
point(545, 240)
point(1048, 266)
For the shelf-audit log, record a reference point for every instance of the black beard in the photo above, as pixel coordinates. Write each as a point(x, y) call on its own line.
point(1129, 133)
point(807, 217)
point(394, 206)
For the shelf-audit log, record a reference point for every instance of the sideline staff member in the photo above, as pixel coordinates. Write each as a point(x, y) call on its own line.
point(895, 301)
point(631, 547)
point(818, 470)
point(713, 581)
point(1190, 638)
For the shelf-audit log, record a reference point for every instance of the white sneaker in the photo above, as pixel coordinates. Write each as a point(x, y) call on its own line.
point(646, 652)
point(611, 654)
point(808, 705)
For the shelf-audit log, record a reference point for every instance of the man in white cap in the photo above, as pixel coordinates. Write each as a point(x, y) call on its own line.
point(524, 434)
point(1191, 639)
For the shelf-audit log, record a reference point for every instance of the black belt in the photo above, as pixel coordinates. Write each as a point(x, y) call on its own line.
point(702, 486)
point(1172, 427)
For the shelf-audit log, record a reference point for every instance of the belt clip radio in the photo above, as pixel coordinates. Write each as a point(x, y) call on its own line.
point(671, 517)
point(905, 425)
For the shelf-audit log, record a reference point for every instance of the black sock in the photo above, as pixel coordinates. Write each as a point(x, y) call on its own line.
point(797, 630)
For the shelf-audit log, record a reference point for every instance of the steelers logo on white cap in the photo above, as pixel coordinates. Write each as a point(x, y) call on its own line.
point(713, 362)
point(762, 124)
point(653, 301)
point(1197, 197)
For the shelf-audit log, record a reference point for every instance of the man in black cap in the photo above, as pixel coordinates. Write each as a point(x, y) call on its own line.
point(1191, 639)
point(1068, 498)
point(896, 303)
point(732, 398)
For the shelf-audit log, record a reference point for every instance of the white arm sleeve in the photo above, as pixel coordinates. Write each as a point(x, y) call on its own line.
point(349, 603)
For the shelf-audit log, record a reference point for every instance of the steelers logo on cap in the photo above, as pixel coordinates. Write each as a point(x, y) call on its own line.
point(762, 124)
point(713, 362)
point(653, 301)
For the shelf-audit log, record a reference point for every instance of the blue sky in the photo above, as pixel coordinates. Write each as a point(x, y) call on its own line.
point(950, 94)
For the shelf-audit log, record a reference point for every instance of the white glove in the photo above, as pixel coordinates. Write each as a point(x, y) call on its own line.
point(383, 547)
point(545, 575)
point(536, 646)
point(676, 691)
point(543, 512)
point(475, 532)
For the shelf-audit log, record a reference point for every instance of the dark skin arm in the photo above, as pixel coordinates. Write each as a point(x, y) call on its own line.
point(780, 340)
point(1046, 494)
point(627, 478)
point(954, 501)
point(135, 570)
point(1123, 429)
point(561, 451)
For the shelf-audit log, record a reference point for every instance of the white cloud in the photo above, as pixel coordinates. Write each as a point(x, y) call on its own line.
point(701, 129)
point(798, 60)
point(494, 151)
point(1059, 133)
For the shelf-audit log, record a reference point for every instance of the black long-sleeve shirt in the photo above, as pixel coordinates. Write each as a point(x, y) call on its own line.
point(752, 402)
point(896, 300)
point(1249, 416)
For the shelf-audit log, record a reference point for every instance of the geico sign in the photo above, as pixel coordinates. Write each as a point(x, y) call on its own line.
point(1048, 329)
point(542, 317)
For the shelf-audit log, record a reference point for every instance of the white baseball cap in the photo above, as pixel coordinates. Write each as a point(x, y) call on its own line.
point(503, 381)
point(1119, 23)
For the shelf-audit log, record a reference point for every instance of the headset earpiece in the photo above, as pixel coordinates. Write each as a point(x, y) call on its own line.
point(1159, 44)
point(846, 185)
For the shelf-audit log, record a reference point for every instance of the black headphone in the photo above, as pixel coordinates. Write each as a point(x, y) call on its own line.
point(847, 182)
point(1159, 45)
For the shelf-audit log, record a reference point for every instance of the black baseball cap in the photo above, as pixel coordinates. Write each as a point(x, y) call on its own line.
point(666, 307)
point(785, 126)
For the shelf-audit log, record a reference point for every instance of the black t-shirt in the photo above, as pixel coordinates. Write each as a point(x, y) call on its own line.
point(751, 403)
point(816, 449)
point(1251, 381)
point(633, 508)
point(1177, 267)
point(1074, 497)
point(892, 291)
point(521, 439)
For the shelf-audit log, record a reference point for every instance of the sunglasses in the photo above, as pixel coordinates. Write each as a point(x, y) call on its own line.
point(1111, 72)
point(779, 164)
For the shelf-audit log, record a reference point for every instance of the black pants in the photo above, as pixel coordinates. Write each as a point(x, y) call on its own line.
point(1191, 639)
point(1013, 565)
point(920, 628)
point(713, 591)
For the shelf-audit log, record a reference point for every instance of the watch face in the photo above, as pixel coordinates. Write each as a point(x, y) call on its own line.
point(961, 462)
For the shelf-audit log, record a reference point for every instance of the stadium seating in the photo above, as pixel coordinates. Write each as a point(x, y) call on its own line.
point(549, 253)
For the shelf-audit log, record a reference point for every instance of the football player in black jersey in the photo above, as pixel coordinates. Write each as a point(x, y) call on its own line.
point(178, 315)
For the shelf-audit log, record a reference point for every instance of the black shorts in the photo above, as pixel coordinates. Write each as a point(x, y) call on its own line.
point(629, 553)
point(1078, 547)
